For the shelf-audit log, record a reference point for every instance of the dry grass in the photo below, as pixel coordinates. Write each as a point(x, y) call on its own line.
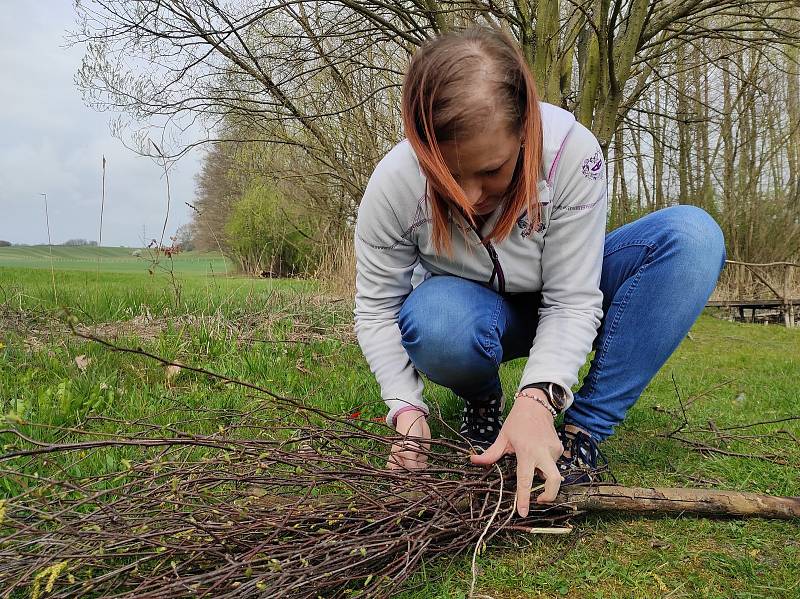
point(337, 269)
point(739, 282)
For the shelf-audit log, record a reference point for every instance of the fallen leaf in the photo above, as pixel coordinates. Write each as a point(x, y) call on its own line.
point(661, 585)
point(305, 448)
point(82, 362)
point(14, 418)
point(170, 372)
point(256, 491)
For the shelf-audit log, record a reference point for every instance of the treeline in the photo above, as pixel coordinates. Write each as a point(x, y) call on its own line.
point(693, 101)
point(79, 242)
point(68, 242)
point(723, 133)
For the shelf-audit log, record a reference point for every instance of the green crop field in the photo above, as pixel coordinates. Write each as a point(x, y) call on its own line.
point(109, 259)
point(727, 373)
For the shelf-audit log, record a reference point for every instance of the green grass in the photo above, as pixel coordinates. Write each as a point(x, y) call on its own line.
point(738, 373)
point(109, 296)
point(110, 259)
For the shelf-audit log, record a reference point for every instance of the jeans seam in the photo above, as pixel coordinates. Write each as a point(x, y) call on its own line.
point(614, 325)
point(648, 244)
point(486, 342)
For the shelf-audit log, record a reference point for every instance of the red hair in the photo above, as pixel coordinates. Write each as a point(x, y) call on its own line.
point(438, 107)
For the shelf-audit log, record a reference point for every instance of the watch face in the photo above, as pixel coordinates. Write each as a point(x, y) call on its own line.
point(559, 396)
point(556, 395)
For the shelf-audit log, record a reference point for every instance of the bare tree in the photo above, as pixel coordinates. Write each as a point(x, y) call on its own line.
point(218, 186)
point(311, 88)
point(718, 133)
point(292, 68)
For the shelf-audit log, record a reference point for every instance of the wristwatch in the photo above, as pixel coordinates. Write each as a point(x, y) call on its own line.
point(555, 394)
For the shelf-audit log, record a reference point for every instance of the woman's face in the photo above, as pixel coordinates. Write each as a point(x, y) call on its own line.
point(483, 165)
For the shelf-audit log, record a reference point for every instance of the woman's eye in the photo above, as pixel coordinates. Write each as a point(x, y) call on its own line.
point(492, 173)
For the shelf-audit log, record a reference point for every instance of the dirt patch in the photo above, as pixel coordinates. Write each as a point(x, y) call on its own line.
point(309, 319)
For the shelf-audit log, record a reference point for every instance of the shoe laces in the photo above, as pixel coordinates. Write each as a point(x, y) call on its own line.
point(583, 455)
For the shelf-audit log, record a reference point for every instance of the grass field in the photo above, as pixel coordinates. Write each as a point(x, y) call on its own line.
point(732, 374)
point(109, 259)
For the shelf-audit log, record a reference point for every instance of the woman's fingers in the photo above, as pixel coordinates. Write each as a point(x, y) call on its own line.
point(395, 461)
point(552, 483)
point(415, 460)
point(410, 453)
point(496, 451)
point(407, 457)
point(525, 470)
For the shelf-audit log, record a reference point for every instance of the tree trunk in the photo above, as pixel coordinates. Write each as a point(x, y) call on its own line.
point(793, 116)
point(706, 190)
point(729, 152)
point(546, 66)
point(642, 185)
point(620, 202)
point(684, 138)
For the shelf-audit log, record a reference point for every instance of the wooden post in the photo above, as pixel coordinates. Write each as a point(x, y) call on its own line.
point(787, 311)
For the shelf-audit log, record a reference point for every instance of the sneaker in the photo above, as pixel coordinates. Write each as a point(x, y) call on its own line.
point(482, 420)
point(582, 461)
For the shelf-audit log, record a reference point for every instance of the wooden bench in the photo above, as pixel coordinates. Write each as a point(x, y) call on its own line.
point(781, 302)
point(787, 307)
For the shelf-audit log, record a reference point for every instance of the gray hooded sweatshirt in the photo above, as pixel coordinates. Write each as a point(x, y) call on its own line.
point(562, 260)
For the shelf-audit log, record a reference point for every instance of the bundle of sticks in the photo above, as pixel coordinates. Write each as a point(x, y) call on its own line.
point(284, 501)
point(274, 510)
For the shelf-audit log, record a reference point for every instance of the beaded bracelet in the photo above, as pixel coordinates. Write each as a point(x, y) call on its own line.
point(541, 401)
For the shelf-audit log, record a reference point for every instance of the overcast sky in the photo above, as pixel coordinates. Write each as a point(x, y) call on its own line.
point(51, 143)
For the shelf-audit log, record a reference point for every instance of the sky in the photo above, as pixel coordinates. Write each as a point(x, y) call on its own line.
point(50, 142)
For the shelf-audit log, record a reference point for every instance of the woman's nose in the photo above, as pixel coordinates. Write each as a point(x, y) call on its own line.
point(473, 190)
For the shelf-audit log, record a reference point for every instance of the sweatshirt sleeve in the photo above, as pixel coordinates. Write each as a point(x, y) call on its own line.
point(572, 258)
point(386, 255)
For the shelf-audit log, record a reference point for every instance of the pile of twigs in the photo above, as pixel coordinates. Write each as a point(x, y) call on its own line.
point(755, 440)
point(260, 508)
point(283, 500)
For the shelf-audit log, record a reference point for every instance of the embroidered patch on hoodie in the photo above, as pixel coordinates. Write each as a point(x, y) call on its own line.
point(522, 223)
point(592, 167)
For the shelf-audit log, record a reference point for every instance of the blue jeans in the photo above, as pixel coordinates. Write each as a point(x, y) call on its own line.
point(658, 273)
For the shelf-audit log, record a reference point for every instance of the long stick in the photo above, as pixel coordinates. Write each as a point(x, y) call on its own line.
point(709, 502)
point(50, 246)
point(102, 209)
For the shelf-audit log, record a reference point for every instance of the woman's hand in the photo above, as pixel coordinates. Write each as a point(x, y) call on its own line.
point(528, 432)
point(410, 454)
